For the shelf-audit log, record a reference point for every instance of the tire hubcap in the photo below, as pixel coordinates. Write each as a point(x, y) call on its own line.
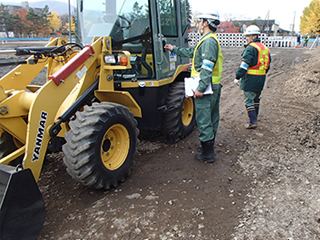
point(187, 111)
point(115, 146)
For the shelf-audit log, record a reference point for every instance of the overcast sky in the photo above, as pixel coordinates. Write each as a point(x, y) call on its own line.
point(283, 11)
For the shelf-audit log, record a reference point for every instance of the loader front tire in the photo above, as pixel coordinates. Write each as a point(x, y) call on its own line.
point(179, 122)
point(100, 145)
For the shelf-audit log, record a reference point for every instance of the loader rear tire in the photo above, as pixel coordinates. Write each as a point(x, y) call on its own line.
point(100, 145)
point(179, 122)
point(9, 144)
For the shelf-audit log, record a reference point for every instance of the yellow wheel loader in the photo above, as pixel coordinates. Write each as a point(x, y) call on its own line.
point(101, 90)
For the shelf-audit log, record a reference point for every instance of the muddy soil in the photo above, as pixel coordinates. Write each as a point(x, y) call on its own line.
point(263, 185)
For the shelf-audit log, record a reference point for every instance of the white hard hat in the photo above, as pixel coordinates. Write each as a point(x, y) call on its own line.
point(252, 30)
point(211, 17)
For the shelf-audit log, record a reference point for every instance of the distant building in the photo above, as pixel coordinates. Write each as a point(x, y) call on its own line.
point(269, 27)
point(227, 27)
point(24, 5)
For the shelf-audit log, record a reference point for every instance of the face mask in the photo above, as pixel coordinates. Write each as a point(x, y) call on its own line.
point(201, 30)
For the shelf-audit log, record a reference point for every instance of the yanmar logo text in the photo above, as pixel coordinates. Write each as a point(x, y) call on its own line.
point(39, 138)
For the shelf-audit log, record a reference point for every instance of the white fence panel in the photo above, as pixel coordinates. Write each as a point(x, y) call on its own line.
point(238, 40)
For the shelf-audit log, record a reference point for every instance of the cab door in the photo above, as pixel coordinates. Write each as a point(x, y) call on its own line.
point(171, 28)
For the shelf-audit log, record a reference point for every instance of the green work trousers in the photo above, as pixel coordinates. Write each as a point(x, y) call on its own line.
point(250, 98)
point(208, 114)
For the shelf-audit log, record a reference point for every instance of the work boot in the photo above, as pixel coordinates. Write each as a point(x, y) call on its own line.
point(256, 107)
point(252, 115)
point(200, 146)
point(207, 152)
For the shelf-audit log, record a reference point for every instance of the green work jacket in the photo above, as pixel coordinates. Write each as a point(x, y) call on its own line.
point(208, 50)
point(249, 82)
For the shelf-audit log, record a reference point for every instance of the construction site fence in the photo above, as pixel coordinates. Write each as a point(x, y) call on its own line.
point(238, 40)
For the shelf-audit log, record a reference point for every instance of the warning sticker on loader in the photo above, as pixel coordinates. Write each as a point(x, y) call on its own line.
point(82, 71)
point(173, 57)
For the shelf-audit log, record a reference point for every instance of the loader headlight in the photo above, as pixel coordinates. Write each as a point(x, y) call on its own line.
point(110, 59)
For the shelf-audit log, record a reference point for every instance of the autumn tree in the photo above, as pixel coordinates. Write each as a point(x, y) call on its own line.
point(6, 20)
point(21, 24)
point(38, 20)
point(65, 24)
point(189, 14)
point(34, 21)
point(44, 14)
point(64, 29)
point(54, 22)
point(73, 25)
point(18, 24)
point(310, 20)
point(236, 24)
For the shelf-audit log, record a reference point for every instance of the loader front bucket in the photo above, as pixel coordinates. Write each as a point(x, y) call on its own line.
point(22, 211)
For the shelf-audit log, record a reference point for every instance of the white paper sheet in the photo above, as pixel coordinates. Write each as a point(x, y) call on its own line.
point(191, 84)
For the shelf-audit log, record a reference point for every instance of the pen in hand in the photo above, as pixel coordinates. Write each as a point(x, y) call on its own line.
point(194, 94)
point(197, 94)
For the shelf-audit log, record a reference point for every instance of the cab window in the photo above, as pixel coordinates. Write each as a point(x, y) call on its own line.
point(184, 18)
point(168, 18)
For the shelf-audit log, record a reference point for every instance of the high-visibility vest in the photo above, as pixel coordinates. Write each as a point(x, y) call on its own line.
point(263, 60)
point(217, 70)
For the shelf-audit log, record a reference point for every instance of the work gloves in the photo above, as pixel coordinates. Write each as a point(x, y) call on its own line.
point(237, 81)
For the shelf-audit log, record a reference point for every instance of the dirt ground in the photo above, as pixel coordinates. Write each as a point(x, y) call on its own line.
point(263, 185)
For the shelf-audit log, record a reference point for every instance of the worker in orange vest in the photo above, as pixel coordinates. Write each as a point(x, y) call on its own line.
point(251, 74)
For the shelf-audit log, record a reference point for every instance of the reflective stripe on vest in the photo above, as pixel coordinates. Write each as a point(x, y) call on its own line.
point(217, 70)
point(263, 60)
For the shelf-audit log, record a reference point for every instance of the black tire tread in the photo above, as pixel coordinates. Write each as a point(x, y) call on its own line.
point(172, 122)
point(81, 141)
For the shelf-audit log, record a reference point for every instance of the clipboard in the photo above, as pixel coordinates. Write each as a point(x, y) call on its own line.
point(191, 84)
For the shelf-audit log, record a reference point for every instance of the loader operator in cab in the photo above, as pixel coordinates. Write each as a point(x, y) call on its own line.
point(251, 75)
point(207, 63)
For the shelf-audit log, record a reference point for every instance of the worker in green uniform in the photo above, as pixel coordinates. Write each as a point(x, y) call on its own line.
point(207, 63)
point(251, 75)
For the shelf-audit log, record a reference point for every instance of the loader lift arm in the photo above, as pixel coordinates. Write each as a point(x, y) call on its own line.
point(42, 113)
point(56, 128)
point(21, 204)
point(38, 53)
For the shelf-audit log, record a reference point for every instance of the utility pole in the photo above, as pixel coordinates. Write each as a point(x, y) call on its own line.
point(267, 20)
point(69, 12)
point(294, 17)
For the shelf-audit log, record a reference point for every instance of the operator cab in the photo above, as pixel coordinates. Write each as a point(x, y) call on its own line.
point(134, 26)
